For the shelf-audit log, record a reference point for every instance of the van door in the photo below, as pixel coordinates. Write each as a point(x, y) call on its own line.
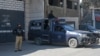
point(58, 35)
point(46, 32)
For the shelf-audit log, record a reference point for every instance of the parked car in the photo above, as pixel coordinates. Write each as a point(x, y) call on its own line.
point(90, 28)
point(57, 32)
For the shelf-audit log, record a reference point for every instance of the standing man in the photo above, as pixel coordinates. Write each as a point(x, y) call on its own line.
point(50, 15)
point(18, 31)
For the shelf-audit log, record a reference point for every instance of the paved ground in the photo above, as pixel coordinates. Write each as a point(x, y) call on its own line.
point(29, 49)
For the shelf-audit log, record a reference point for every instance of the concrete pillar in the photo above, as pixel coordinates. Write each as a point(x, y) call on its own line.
point(65, 7)
point(27, 17)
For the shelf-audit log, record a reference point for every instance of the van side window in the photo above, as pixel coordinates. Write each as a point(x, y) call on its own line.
point(36, 25)
point(32, 24)
point(58, 28)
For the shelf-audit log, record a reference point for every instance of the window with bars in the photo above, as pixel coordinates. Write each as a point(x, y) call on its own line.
point(72, 4)
point(58, 3)
point(69, 4)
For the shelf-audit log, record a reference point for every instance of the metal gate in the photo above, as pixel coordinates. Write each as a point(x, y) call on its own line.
point(8, 21)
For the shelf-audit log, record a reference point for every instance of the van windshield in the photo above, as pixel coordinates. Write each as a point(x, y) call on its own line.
point(70, 28)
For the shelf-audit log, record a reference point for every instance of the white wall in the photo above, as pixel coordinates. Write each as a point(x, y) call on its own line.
point(12, 5)
point(37, 9)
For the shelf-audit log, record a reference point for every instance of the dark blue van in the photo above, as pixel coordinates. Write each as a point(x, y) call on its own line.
point(57, 32)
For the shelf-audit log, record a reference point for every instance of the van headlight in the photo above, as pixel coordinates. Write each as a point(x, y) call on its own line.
point(83, 35)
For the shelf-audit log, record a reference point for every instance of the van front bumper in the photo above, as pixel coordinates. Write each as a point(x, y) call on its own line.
point(88, 41)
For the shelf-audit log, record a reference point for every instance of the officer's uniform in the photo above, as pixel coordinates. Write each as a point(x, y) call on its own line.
point(19, 36)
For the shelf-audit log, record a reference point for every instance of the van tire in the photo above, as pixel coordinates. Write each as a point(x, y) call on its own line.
point(38, 41)
point(73, 43)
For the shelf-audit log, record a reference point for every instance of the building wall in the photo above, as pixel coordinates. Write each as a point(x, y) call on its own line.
point(71, 13)
point(34, 9)
point(61, 11)
point(57, 11)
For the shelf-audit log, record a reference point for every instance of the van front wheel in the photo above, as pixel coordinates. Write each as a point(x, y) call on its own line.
point(73, 43)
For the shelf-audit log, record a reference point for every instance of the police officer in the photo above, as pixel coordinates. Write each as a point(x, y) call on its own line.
point(50, 15)
point(18, 31)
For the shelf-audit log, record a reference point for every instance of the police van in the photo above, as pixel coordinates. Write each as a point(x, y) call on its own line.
point(57, 32)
